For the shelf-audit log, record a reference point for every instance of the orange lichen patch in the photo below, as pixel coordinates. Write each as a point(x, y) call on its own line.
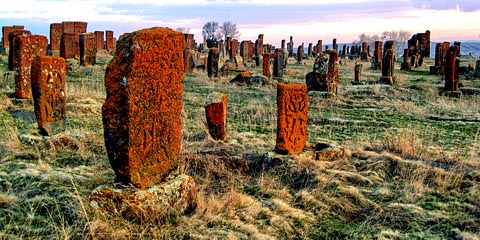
point(292, 103)
point(26, 48)
point(266, 65)
point(142, 112)
point(49, 94)
point(216, 113)
point(13, 34)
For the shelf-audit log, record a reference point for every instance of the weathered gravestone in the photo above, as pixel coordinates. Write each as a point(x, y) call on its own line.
point(55, 38)
point(266, 64)
point(68, 45)
point(49, 93)
point(88, 49)
point(290, 47)
point(12, 35)
point(451, 69)
point(292, 106)
point(364, 54)
point(26, 48)
point(5, 32)
point(142, 112)
point(440, 54)
point(388, 63)
point(216, 113)
point(212, 65)
point(110, 41)
point(324, 76)
point(278, 63)
point(188, 62)
point(282, 44)
point(245, 50)
point(335, 45)
point(358, 71)
point(233, 49)
point(310, 50)
point(259, 46)
point(377, 56)
point(318, 47)
point(300, 54)
point(406, 64)
point(100, 40)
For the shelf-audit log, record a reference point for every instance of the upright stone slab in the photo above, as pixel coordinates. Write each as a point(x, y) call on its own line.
point(259, 46)
point(377, 56)
point(364, 54)
point(477, 69)
point(88, 49)
point(451, 69)
point(300, 53)
point(335, 45)
point(388, 63)
point(49, 93)
point(278, 63)
point(440, 54)
point(11, 39)
point(358, 71)
point(266, 64)
point(26, 48)
point(188, 62)
point(310, 50)
point(68, 45)
point(318, 47)
point(282, 44)
point(80, 27)
point(344, 51)
point(68, 27)
point(324, 76)
point(109, 41)
point(5, 32)
point(406, 64)
point(212, 65)
point(216, 113)
point(244, 50)
point(292, 104)
point(142, 112)
point(55, 38)
point(100, 40)
point(290, 47)
point(251, 50)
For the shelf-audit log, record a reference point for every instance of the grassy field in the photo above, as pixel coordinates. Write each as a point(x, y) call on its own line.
point(411, 170)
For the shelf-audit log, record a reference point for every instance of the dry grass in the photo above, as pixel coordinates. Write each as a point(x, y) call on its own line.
point(406, 174)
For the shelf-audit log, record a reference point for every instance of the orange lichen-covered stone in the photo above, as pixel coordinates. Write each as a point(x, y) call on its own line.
point(292, 103)
point(216, 113)
point(142, 112)
point(109, 40)
point(451, 69)
point(49, 93)
point(266, 65)
point(26, 48)
point(88, 49)
point(12, 35)
point(68, 45)
point(212, 64)
point(55, 37)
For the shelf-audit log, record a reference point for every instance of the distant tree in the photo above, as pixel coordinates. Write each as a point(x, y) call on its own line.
point(182, 29)
point(227, 29)
point(400, 37)
point(209, 30)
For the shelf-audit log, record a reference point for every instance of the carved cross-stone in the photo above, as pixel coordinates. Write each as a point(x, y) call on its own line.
point(216, 113)
point(388, 63)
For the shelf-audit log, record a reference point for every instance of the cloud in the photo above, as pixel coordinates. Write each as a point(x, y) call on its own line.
point(462, 5)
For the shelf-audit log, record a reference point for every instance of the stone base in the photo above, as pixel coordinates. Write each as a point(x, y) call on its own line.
point(178, 195)
point(323, 151)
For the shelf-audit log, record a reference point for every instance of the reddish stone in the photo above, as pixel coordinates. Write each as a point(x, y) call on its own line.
point(68, 27)
point(292, 103)
point(290, 47)
point(189, 41)
point(26, 48)
point(278, 61)
point(388, 63)
point(49, 93)
point(266, 65)
point(88, 49)
point(344, 51)
point(324, 76)
point(228, 44)
point(110, 42)
point(233, 49)
point(259, 46)
point(440, 54)
point(188, 62)
point(216, 113)
point(358, 71)
point(283, 44)
point(212, 65)
point(300, 53)
point(55, 37)
point(364, 54)
point(80, 27)
point(406, 61)
point(419, 45)
point(377, 56)
point(451, 69)
point(6, 31)
point(244, 50)
point(335, 45)
point(11, 39)
point(142, 113)
point(100, 40)
point(310, 50)
point(318, 47)
point(68, 45)
point(251, 50)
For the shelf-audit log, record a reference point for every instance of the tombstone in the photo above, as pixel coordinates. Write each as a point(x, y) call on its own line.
point(292, 105)
point(477, 69)
point(68, 45)
point(440, 54)
point(12, 35)
point(259, 46)
point(5, 32)
point(406, 64)
point(216, 113)
point(358, 71)
point(324, 76)
point(244, 50)
point(189, 63)
point(310, 50)
point(88, 49)
point(80, 27)
point(283, 44)
point(233, 49)
point(142, 113)
point(318, 47)
point(189, 41)
point(49, 93)
point(228, 46)
point(68, 27)
point(251, 50)
point(109, 41)
point(212, 65)
point(300, 54)
point(388, 63)
point(100, 40)
point(55, 38)
point(266, 64)
point(335, 45)
point(451, 69)
point(290, 47)
point(419, 46)
point(344, 51)
point(364, 54)
point(278, 62)
point(377, 56)
point(26, 48)
point(459, 47)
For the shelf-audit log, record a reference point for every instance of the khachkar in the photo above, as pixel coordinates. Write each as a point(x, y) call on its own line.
point(278, 61)
point(388, 63)
point(142, 112)
point(406, 64)
point(12, 35)
point(216, 113)
point(451, 69)
point(212, 65)
point(55, 38)
point(49, 95)
point(5, 31)
point(440, 54)
point(358, 72)
point(324, 76)
point(88, 49)
point(290, 47)
point(259, 46)
point(266, 64)
point(318, 47)
point(300, 54)
point(26, 48)
point(292, 104)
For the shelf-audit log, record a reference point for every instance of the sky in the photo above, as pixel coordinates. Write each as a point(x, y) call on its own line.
point(306, 20)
